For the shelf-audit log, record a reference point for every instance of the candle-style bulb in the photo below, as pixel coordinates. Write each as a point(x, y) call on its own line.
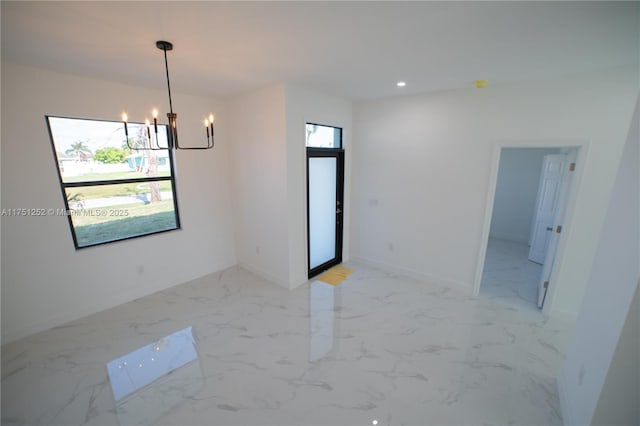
point(126, 130)
point(211, 118)
point(155, 113)
point(147, 122)
point(206, 123)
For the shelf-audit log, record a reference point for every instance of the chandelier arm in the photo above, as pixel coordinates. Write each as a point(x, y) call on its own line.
point(210, 144)
point(172, 128)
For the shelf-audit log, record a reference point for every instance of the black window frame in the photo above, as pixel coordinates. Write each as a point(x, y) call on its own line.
point(328, 126)
point(65, 185)
point(339, 154)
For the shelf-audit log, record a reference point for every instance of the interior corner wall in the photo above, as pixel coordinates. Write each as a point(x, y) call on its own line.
point(517, 192)
point(45, 280)
point(259, 183)
point(422, 165)
point(302, 106)
point(618, 402)
point(611, 285)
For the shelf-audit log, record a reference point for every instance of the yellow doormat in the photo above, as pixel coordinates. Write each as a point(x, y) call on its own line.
point(336, 275)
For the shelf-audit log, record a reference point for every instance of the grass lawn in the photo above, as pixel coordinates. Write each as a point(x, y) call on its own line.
point(105, 191)
point(141, 219)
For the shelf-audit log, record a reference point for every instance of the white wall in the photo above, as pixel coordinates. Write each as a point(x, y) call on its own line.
point(308, 106)
point(421, 171)
point(618, 402)
point(269, 176)
point(259, 182)
point(612, 282)
point(45, 281)
point(516, 193)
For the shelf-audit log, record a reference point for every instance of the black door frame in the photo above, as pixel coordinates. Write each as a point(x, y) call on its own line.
point(338, 154)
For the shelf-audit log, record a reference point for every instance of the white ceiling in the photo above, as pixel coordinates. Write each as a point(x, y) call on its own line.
point(357, 50)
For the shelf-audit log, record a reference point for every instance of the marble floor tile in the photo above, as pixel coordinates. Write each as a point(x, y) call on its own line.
point(233, 349)
point(509, 275)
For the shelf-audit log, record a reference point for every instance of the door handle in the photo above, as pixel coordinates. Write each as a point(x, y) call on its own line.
point(549, 228)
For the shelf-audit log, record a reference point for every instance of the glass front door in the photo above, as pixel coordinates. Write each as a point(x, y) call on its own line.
point(325, 177)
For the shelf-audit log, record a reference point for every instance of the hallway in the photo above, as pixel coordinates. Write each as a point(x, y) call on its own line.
point(508, 275)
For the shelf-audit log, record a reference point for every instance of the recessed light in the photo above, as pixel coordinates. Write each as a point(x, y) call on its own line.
point(401, 84)
point(480, 84)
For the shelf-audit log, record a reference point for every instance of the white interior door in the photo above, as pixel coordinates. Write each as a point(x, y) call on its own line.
point(549, 191)
point(561, 210)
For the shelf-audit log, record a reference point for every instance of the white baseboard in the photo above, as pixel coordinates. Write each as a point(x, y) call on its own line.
point(412, 273)
point(564, 315)
point(510, 238)
point(265, 275)
point(86, 309)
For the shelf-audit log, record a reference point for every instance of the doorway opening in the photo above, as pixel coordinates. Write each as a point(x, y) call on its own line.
point(325, 197)
point(528, 212)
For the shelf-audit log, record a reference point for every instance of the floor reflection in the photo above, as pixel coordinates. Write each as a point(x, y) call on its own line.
point(322, 322)
point(154, 379)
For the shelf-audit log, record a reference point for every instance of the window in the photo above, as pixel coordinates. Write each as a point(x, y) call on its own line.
point(112, 192)
point(319, 136)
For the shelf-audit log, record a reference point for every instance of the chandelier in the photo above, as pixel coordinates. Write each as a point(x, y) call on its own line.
point(172, 141)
